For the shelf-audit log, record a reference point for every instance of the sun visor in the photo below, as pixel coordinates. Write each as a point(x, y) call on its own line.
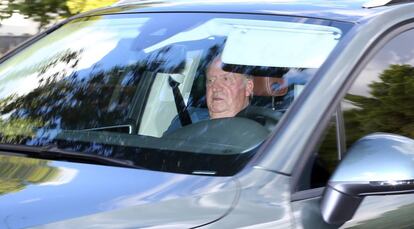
point(290, 45)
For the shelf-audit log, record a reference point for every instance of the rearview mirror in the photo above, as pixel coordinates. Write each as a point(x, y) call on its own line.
point(377, 164)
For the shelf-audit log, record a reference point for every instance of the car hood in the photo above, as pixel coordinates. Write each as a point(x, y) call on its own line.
point(53, 194)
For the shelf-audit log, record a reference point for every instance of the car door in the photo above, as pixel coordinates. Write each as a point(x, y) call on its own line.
point(380, 99)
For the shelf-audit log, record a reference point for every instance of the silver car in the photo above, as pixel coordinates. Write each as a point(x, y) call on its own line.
point(104, 121)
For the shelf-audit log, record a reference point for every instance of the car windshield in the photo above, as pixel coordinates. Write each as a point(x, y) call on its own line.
point(133, 86)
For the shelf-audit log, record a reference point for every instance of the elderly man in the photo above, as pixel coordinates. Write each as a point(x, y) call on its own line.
point(228, 93)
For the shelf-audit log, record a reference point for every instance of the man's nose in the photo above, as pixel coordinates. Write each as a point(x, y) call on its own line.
point(216, 86)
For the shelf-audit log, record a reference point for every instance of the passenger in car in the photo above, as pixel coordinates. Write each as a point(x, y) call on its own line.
point(227, 93)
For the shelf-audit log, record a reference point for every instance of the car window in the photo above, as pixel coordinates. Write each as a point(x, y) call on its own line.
point(133, 87)
point(322, 161)
point(381, 98)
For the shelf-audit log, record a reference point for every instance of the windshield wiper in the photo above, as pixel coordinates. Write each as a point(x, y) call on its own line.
point(52, 152)
point(125, 128)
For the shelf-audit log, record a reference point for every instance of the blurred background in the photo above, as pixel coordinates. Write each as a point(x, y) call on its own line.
point(21, 19)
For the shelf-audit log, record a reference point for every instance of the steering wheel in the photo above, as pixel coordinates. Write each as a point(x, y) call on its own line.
point(227, 135)
point(265, 116)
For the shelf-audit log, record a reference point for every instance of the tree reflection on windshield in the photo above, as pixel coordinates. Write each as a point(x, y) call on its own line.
point(64, 99)
point(28, 171)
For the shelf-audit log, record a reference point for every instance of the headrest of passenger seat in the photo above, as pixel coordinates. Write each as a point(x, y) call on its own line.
point(269, 86)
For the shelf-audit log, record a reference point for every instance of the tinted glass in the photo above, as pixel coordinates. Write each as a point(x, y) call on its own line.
point(322, 161)
point(133, 87)
point(381, 98)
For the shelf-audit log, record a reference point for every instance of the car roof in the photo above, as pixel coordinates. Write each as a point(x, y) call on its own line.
point(340, 10)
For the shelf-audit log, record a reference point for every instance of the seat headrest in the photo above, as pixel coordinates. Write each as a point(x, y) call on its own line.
point(269, 86)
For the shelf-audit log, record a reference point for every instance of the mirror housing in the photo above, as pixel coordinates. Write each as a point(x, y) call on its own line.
point(377, 164)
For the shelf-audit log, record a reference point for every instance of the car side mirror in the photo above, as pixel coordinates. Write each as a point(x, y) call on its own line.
point(377, 164)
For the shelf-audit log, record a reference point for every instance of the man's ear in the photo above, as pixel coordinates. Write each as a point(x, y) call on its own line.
point(249, 87)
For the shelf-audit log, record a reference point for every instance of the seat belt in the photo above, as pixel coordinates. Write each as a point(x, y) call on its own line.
point(183, 114)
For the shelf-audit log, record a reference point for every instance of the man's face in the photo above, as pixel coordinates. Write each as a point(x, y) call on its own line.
point(227, 93)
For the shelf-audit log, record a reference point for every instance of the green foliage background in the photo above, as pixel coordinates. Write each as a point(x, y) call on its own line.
point(48, 11)
point(388, 108)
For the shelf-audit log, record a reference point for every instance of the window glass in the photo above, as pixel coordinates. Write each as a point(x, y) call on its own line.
point(133, 87)
point(323, 160)
point(382, 97)
point(380, 100)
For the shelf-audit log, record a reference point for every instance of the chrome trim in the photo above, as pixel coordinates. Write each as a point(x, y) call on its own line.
point(200, 172)
point(376, 3)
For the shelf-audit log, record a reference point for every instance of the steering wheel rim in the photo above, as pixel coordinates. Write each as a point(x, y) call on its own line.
point(265, 116)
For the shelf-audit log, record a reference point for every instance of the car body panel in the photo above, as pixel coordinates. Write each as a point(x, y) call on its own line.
point(375, 212)
point(38, 192)
point(264, 202)
point(262, 195)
